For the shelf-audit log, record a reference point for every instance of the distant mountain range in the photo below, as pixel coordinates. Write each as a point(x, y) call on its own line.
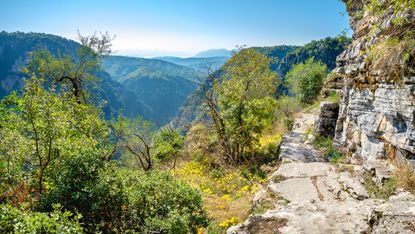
point(214, 53)
point(199, 64)
point(162, 83)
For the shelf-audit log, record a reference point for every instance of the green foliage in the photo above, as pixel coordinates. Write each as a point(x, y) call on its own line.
point(55, 148)
point(168, 144)
point(282, 59)
point(277, 54)
point(7, 105)
point(306, 79)
point(14, 220)
point(213, 228)
point(379, 7)
point(46, 129)
point(123, 200)
point(333, 97)
point(324, 51)
point(87, 185)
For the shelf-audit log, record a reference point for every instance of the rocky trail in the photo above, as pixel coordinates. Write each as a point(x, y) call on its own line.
point(309, 195)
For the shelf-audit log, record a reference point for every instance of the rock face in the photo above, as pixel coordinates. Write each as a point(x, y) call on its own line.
point(376, 78)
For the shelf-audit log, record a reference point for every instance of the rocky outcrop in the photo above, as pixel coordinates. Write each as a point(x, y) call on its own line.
point(377, 82)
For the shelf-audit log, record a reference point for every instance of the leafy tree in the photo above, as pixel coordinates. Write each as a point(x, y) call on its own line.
point(306, 79)
point(55, 148)
point(282, 60)
point(87, 185)
point(52, 121)
point(241, 102)
point(71, 73)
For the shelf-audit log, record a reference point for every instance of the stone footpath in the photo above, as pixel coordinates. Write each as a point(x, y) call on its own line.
point(308, 195)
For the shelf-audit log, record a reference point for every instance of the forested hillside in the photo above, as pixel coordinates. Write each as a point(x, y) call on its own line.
point(14, 51)
point(161, 85)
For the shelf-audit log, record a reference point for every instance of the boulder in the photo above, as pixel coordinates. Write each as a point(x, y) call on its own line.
point(326, 121)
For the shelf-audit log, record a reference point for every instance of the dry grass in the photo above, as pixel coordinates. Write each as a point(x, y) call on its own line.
point(404, 177)
point(393, 57)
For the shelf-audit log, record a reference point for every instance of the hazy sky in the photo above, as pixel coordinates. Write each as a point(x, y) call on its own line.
point(179, 27)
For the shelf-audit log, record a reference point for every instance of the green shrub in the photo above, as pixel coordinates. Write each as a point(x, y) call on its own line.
point(333, 97)
point(168, 144)
point(14, 220)
point(325, 144)
point(384, 191)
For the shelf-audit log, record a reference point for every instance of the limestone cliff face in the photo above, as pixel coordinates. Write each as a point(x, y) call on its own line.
point(376, 78)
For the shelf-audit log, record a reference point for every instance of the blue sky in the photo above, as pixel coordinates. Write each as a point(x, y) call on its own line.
point(179, 27)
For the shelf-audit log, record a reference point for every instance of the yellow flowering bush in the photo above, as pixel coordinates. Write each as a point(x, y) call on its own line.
point(226, 193)
point(229, 222)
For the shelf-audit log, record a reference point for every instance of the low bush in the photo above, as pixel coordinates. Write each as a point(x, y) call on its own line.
point(306, 79)
point(325, 144)
point(384, 191)
point(168, 144)
point(285, 110)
